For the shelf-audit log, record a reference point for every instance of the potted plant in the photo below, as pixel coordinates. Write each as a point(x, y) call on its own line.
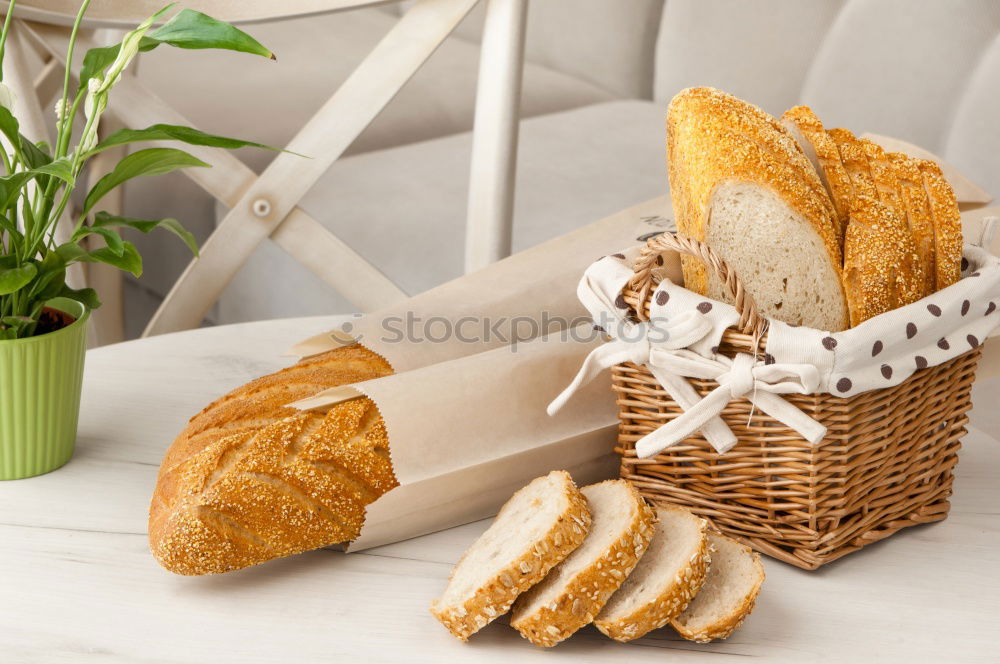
point(43, 321)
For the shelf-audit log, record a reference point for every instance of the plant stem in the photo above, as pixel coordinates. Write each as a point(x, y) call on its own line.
point(66, 126)
point(3, 35)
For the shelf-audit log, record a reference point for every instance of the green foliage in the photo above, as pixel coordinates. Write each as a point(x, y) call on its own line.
point(37, 180)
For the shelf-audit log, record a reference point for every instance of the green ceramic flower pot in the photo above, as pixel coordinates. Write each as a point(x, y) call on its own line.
point(40, 382)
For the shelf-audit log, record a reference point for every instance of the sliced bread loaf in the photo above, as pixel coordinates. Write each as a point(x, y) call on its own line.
point(740, 183)
point(667, 577)
point(535, 530)
point(947, 224)
point(728, 594)
point(808, 130)
point(576, 589)
point(881, 269)
point(918, 211)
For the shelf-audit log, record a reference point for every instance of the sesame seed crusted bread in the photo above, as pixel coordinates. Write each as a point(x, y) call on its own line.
point(576, 589)
point(742, 184)
point(803, 124)
point(250, 479)
point(918, 212)
point(947, 224)
point(881, 268)
point(535, 530)
point(666, 579)
point(855, 161)
point(728, 594)
point(884, 176)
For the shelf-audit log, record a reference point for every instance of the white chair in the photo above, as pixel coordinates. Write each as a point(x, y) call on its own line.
point(265, 207)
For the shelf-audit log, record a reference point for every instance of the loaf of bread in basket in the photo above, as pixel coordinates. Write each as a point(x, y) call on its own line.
point(250, 479)
point(825, 229)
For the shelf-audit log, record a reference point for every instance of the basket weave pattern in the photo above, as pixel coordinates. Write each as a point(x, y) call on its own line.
point(886, 462)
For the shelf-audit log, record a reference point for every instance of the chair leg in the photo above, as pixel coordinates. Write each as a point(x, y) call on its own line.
point(494, 146)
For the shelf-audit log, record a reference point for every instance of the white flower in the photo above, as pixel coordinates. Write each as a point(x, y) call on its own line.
point(7, 97)
point(62, 106)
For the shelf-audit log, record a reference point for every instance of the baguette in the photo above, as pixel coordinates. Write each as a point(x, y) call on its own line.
point(667, 577)
point(575, 590)
point(250, 479)
point(535, 530)
point(740, 183)
point(855, 162)
point(728, 594)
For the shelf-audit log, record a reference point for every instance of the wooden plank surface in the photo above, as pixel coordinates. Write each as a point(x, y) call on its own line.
point(77, 582)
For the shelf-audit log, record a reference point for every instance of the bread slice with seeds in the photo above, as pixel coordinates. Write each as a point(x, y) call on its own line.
point(855, 161)
point(807, 129)
point(728, 594)
point(947, 224)
point(575, 590)
point(666, 579)
point(535, 530)
point(918, 211)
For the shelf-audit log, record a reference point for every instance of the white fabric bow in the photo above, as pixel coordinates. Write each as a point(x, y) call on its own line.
point(670, 362)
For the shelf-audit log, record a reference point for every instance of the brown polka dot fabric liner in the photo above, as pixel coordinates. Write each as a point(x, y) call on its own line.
point(881, 352)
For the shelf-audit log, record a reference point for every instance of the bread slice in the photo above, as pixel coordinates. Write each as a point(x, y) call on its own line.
point(855, 161)
point(883, 175)
point(881, 268)
point(947, 224)
point(728, 594)
point(741, 183)
point(918, 212)
point(576, 589)
point(535, 530)
point(667, 577)
point(803, 124)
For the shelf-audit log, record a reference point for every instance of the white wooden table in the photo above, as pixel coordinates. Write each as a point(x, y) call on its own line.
point(77, 582)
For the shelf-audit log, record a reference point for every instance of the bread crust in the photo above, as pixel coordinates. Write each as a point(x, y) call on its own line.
point(918, 213)
point(855, 162)
point(588, 591)
point(713, 137)
point(250, 479)
point(881, 268)
point(496, 597)
point(832, 171)
point(730, 622)
point(947, 224)
point(667, 605)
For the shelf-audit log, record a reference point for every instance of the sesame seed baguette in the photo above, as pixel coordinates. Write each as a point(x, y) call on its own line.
point(855, 162)
point(535, 543)
point(574, 592)
point(764, 210)
point(918, 212)
point(666, 579)
point(728, 594)
point(817, 143)
point(947, 224)
point(883, 175)
point(881, 269)
point(250, 479)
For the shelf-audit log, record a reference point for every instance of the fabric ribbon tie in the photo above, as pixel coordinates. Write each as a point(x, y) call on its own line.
point(671, 362)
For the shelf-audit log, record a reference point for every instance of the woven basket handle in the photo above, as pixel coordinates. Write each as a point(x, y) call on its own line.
point(751, 322)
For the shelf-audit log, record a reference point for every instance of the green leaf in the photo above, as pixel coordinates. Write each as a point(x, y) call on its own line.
point(105, 220)
point(61, 168)
point(165, 132)
point(34, 155)
point(12, 326)
point(111, 238)
point(16, 278)
point(9, 126)
point(50, 280)
point(152, 161)
point(71, 252)
point(86, 296)
point(96, 60)
point(193, 30)
point(11, 185)
point(130, 260)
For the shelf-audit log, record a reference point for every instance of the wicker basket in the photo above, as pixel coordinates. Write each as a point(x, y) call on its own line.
point(886, 462)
